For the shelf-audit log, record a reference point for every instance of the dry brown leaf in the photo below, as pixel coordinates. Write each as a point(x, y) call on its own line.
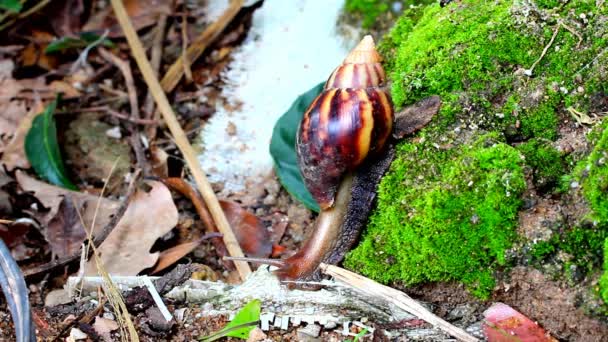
point(67, 90)
point(142, 13)
point(252, 235)
point(51, 196)
point(12, 111)
point(170, 256)
point(34, 55)
point(14, 153)
point(10, 116)
point(65, 232)
point(149, 216)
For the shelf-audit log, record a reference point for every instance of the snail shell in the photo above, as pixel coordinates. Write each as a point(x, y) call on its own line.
point(350, 120)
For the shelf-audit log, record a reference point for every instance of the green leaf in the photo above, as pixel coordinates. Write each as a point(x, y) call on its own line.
point(283, 151)
point(83, 40)
point(42, 149)
point(11, 5)
point(241, 325)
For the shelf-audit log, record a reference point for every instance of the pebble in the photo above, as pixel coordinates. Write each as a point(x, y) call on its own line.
point(114, 133)
point(77, 334)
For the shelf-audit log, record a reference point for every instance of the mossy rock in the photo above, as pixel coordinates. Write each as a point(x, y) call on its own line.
point(517, 80)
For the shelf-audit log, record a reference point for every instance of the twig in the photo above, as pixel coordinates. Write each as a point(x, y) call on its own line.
point(111, 112)
point(180, 137)
point(395, 297)
point(528, 72)
point(573, 31)
point(125, 70)
point(155, 58)
point(186, 61)
point(176, 71)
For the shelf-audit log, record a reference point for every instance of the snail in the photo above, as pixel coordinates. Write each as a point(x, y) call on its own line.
point(343, 151)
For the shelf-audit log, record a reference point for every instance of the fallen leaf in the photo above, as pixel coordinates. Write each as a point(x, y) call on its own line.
point(149, 216)
point(104, 327)
point(67, 90)
point(170, 256)
point(51, 196)
point(502, 323)
point(34, 55)
point(14, 152)
point(252, 235)
point(42, 148)
point(65, 232)
point(12, 111)
point(142, 13)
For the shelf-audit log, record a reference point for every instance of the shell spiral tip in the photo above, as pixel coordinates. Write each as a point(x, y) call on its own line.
point(364, 52)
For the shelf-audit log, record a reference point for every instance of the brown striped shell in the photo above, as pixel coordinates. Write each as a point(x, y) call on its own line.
point(351, 119)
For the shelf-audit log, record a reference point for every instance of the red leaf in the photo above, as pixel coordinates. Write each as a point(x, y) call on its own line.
point(502, 323)
point(252, 235)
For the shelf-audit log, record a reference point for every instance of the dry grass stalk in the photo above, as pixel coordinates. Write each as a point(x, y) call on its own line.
point(180, 137)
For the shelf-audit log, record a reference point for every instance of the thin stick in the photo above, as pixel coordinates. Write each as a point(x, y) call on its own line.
point(180, 138)
point(395, 297)
point(155, 58)
point(176, 71)
point(125, 70)
point(529, 71)
point(559, 25)
point(112, 112)
point(186, 61)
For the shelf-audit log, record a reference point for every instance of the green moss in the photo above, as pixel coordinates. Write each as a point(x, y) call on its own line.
point(371, 10)
point(479, 50)
point(604, 278)
point(545, 161)
point(593, 174)
point(446, 215)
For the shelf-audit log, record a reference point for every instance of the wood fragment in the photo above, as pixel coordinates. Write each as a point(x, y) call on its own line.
point(198, 46)
point(395, 297)
point(180, 137)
